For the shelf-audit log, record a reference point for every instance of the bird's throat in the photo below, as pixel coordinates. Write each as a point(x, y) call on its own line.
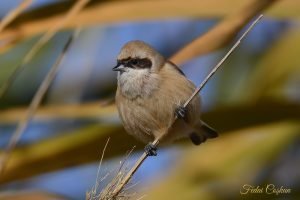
point(137, 83)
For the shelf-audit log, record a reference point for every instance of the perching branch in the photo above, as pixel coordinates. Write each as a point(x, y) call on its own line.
point(79, 5)
point(222, 61)
point(222, 34)
point(34, 105)
point(155, 143)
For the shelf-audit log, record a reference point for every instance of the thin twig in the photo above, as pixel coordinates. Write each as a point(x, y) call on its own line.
point(108, 192)
point(236, 44)
point(99, 168)
point(34, 104)
point(128, 154)
point(142, 197)
point(79, 5)
point(13, 14)
point(156, 141)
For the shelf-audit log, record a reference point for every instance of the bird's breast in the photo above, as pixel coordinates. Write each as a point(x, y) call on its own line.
point(140, 83)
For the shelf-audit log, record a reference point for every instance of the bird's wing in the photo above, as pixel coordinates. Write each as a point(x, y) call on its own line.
point(175, 67)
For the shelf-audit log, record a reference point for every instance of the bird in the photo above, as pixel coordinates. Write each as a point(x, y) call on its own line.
point(151, 91)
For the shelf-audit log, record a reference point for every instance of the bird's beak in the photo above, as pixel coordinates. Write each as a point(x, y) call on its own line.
point(119, 67)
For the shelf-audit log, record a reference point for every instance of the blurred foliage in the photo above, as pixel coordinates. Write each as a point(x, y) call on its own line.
point(218, 170)
point(114, 11)
point(256, 131)
point(277, 66)
point(32, 195)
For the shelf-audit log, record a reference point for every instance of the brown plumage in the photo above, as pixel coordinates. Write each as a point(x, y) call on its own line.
point(149, 91)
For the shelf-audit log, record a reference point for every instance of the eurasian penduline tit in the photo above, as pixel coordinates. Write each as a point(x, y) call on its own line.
point(150, 94)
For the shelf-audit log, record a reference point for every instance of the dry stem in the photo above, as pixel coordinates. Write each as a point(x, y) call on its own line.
point(155, 143)
point(94, 190)
point(108, 192)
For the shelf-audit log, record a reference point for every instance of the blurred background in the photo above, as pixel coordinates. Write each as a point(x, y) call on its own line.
point(253, 101)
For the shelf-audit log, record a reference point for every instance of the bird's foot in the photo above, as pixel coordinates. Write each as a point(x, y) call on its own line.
point(181, 112)
point(150, 150)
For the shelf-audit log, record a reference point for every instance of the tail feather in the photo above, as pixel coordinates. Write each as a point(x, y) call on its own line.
point(209, 131)
point(196, 139)
point(205, 132)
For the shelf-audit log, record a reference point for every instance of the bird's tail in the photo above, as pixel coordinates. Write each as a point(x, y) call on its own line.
point(203, 133)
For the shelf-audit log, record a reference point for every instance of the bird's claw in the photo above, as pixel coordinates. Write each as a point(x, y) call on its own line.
point(181, 112)
point(150, 150)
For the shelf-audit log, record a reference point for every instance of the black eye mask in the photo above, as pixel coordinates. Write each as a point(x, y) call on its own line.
point(136, 63)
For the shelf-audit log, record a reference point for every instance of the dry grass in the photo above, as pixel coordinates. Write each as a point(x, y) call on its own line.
point(108, 193)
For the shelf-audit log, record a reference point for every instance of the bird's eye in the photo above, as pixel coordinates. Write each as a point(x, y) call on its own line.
point(134, 61)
